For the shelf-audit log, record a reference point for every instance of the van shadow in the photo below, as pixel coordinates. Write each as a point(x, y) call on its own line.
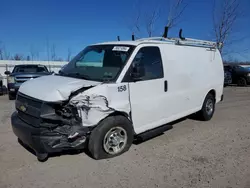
point(148, 135)
point(139, 139)
point(57, 154)
point(144, 137)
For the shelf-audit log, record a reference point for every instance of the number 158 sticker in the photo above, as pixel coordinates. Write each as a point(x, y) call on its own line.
point(122, 88)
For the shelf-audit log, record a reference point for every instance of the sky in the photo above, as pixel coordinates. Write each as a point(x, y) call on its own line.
point(71, 25)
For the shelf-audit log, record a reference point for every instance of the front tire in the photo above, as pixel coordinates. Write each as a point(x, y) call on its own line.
point(112, 137)
point(208, 108)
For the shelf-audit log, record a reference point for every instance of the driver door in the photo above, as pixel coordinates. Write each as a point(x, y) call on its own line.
point(148, 90)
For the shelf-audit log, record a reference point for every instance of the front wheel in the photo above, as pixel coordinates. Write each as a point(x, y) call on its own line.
point(112, 137)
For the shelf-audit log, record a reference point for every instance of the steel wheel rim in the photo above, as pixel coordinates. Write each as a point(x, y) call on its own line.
point(209, 106)
point(115, 140)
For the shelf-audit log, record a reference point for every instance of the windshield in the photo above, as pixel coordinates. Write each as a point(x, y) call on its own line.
point(98, 63)
point(29, 68)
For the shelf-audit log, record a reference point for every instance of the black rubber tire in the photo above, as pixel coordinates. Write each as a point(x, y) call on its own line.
point(202, 114)
point(95, 144)
point(12, 97)
point(42, 157)
point(242, 82)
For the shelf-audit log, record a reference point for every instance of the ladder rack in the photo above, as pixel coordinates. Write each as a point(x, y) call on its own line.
point(186, 42)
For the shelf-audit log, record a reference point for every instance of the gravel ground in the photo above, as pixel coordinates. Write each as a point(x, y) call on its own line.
point(192, 154)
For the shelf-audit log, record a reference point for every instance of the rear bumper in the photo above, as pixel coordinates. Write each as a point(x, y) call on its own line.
point(41, 140)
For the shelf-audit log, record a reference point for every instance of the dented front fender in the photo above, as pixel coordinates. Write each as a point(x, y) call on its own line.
point(98, 102)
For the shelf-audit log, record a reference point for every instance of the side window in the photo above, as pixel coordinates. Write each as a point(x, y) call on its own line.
point(149, 60)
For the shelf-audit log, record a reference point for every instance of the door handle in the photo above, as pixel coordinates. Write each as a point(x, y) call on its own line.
point(165, 85)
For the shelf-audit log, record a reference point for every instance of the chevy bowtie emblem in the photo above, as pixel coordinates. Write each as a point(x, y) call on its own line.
point(23, 108)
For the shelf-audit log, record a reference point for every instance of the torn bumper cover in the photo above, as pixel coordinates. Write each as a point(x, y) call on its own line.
point(45, 140)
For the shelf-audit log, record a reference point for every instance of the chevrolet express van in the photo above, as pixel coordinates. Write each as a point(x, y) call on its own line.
point(111, 92)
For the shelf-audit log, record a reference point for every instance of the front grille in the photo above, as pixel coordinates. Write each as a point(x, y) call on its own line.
point(22, 79)
point(31, 114)
point(30, 101)
point(20, 82)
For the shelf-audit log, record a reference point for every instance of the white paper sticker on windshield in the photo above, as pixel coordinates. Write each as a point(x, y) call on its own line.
point(121, 48)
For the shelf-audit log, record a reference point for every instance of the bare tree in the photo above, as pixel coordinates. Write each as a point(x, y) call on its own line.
point(177, 8)
point(151, 19)
point(69, 55)
point(53, 52)
point(225, 18)
point(18, 57)
point(1, 51)
point(7, 55)
point(135, 25)
point(4, 55)
point(48, 49)
point(34, 54)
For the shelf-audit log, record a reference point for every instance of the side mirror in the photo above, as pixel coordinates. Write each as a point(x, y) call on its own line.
point(138, 72)
point(7, 72)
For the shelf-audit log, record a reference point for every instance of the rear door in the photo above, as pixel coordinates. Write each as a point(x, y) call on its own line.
point(147, 95)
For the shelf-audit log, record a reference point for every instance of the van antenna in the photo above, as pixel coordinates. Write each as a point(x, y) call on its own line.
point(180, 35)
point(133, 37)
point(165, 34)
point(118, 38)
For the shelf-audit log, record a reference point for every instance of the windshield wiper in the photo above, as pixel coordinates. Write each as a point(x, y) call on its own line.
point(75, 75)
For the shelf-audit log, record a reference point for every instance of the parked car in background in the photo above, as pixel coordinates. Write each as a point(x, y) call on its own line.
point(227, 76)
point(22, 73)
point(240, 75)
point(1, 84)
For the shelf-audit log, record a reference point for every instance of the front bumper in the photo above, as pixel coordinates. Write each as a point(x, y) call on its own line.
point(42, 140)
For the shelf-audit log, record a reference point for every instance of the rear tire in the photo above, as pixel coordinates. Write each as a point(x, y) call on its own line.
point(112, 137)
point(208, 108)
point(242, 82)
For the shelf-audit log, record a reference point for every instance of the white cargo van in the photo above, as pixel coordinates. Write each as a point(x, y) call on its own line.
point(111, 92)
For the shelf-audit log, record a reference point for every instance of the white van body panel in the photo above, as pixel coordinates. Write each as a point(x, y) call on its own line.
point(191, 72)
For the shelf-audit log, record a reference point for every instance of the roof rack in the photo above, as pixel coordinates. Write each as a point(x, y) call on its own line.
point(184, 41)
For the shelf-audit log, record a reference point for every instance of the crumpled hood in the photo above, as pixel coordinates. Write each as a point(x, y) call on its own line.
point(54, 88)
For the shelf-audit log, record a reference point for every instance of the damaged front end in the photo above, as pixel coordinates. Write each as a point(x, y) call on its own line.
point(49, 127)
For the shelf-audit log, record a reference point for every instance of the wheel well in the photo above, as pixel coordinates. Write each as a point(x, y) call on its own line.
point(118, 113)
point(213, 93)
